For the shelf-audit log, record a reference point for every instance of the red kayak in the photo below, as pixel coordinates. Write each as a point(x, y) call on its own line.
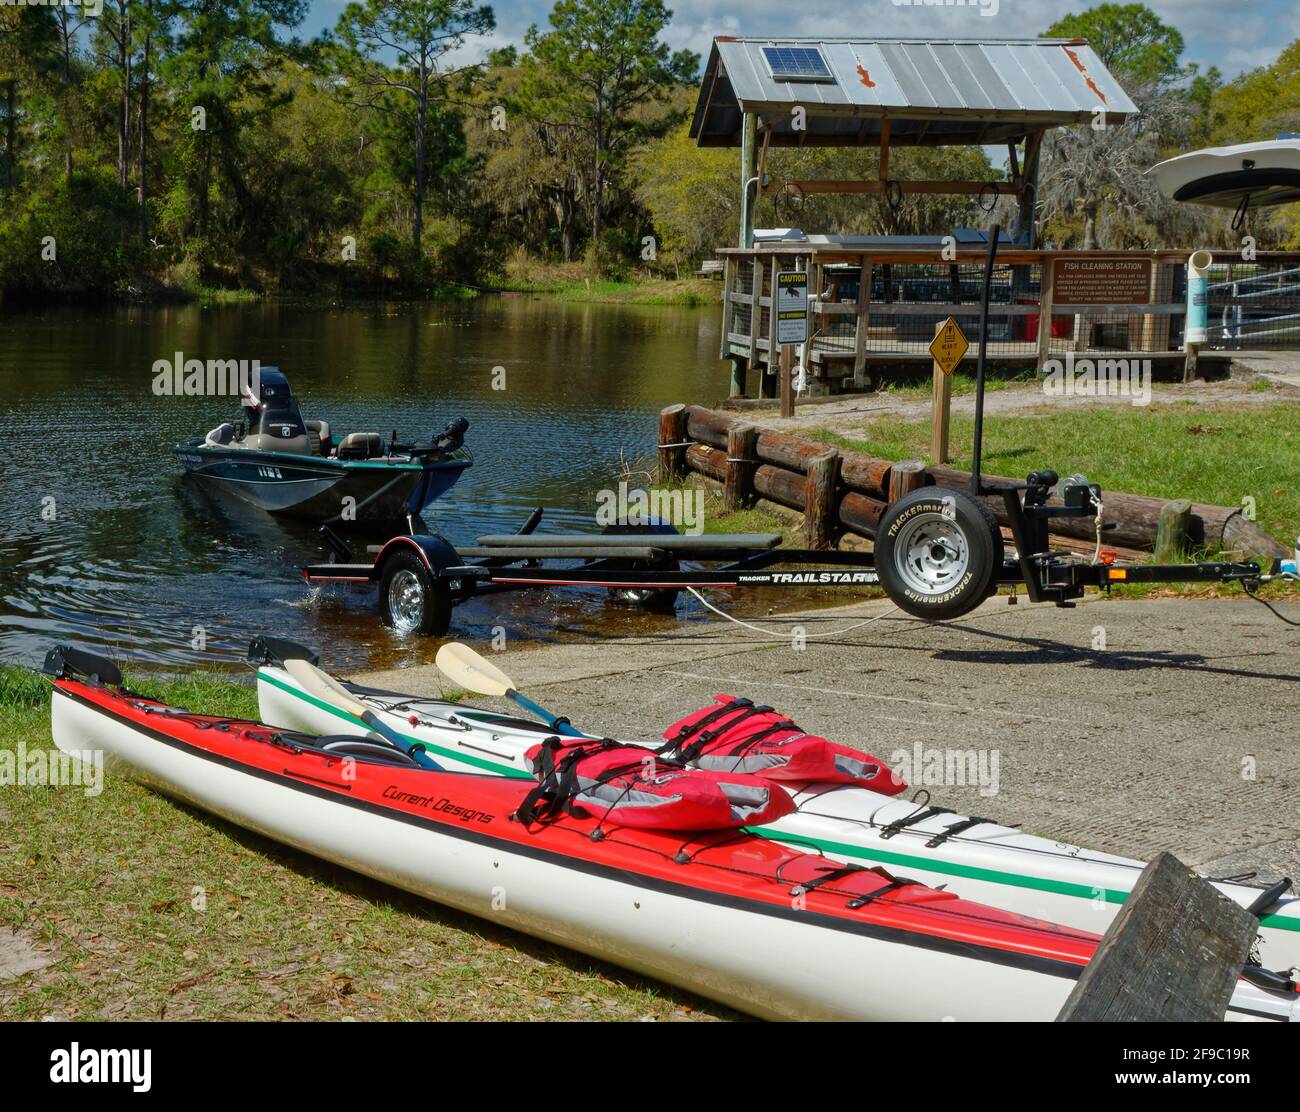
point(740, 919)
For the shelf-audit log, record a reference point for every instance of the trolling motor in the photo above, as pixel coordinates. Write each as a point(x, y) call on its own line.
point(450, 440)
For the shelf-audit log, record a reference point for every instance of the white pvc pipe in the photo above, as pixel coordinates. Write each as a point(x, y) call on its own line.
point(1198, 273)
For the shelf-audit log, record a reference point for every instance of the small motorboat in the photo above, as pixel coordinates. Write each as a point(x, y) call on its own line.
point(763, 927)
point(1246, 175)
point(285, 465)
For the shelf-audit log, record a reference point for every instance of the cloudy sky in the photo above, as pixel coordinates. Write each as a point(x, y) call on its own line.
point(1235, 35)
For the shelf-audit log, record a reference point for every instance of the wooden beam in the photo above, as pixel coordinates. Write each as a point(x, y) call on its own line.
point(826, 185)
point(1045, 280)
point(1173, 954)
point(884, 149)
point(861, 322)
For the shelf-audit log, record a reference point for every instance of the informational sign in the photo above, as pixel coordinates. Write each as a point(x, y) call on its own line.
point(949, 346)
point(1101, 282)
point(792, 307)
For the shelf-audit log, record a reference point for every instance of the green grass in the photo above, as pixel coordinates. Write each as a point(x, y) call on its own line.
point(150, 909)
point(688, 293)
point(1213, 454)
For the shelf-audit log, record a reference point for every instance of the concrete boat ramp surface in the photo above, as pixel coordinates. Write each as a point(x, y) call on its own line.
point(1123, 725)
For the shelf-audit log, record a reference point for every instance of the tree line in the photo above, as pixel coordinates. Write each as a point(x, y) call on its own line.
point(153, 145)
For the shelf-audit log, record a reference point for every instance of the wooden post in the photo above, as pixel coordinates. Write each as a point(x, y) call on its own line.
point(773, 354)
point(1172, 955)
point(756, 320)
point(729, 269)
point(1190, 361)
point(1045, 281)
point(906, 475)
point(941, 411)
point(820, 519)
point(787, 375)
point(672, 446)
point(1173, 532)
point(862, 320)
point(742, 458)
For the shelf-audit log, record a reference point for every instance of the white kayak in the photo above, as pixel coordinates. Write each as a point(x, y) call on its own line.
point(985, 862)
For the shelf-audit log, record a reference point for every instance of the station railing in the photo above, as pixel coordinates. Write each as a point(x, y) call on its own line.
point(1098, 304)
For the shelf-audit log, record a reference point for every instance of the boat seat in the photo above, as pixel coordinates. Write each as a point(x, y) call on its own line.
point(360, 445)
point(318, 432)
point(222, 435)
point(298, 445)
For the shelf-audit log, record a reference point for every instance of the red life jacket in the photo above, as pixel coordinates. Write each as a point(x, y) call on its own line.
point(734, 735)
point(632, 786)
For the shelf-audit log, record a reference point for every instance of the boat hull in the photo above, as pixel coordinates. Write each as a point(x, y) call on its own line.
point(318, 488)
point(617, 899)
point(990, 863)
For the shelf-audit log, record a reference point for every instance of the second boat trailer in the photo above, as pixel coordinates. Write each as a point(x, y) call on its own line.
point(939, 552)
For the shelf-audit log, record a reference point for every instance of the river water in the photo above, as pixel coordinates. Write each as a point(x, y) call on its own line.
point(103, 544)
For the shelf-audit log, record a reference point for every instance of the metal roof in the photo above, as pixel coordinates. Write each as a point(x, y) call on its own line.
point(935, 92)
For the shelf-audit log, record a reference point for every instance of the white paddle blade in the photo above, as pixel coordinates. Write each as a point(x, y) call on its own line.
point(465, 668)
point(324, 686)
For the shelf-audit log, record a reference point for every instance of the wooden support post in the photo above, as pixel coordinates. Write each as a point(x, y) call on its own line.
point(860, 381)
point(787, 375)
point(742, 459)
point(906, 475)
point(820, 518)
point(941, 411)
point(1045, 310)
point(756, 320)
point(1172, 955)
point(729, 270)
point(773, 354)
point(1173, 532)
point(672, 443)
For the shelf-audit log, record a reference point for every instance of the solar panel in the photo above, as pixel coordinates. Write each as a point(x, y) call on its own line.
point(796, 63)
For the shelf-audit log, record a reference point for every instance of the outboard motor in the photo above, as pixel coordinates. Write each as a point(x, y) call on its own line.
point(274, 422)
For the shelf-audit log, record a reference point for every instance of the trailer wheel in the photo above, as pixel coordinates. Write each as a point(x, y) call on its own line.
point(659, 600)
point(938, 553)
point(411, 600)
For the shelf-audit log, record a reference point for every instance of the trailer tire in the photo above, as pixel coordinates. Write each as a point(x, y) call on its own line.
point(938, 553)
point(658, 600)
point(410, 599)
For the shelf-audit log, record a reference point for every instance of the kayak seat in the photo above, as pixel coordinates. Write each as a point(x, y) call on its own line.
point(361, 445)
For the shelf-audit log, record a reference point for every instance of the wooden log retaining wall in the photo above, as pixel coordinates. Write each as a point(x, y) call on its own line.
point(849, 491)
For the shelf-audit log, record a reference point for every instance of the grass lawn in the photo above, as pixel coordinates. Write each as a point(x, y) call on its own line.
point(149, 909)
point(1214, 454)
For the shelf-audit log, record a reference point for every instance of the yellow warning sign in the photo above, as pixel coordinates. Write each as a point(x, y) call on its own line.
point(949, 346)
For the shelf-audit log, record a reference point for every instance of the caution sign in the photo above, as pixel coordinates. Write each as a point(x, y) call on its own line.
point(949, 346)
point(792, 307)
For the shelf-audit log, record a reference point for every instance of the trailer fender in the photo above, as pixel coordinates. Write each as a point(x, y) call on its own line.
point(433, 551)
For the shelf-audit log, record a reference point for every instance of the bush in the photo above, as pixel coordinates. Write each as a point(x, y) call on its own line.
point(90, 225)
